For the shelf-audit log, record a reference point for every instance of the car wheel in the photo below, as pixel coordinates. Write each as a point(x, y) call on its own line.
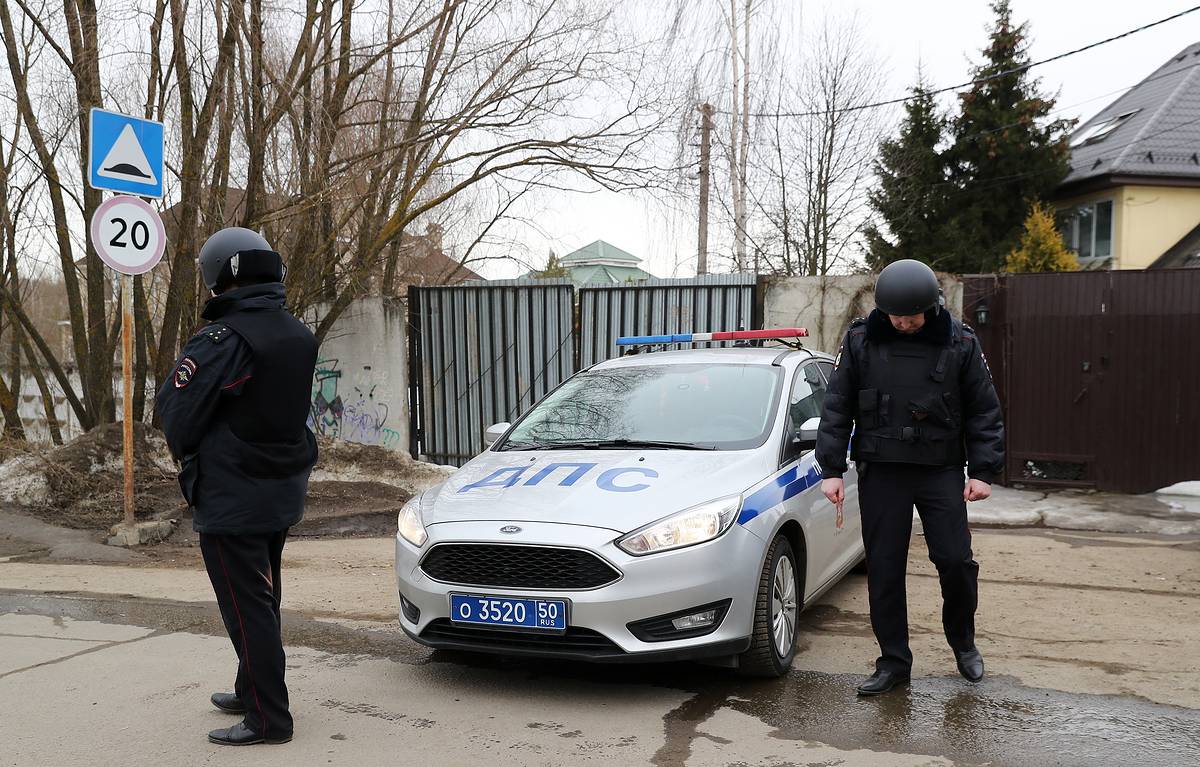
point(777, 608)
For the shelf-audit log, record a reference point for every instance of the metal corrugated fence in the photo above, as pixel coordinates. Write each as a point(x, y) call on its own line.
point(483, 353)
point(654, 307)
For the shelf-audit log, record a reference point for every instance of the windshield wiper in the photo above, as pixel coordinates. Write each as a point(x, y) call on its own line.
point(655, 444)
point(606, 444)
point(516, 445)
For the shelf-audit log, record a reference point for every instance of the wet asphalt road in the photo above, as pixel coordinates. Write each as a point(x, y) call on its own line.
point(998, 722)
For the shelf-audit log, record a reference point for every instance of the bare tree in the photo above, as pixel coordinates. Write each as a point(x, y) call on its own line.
point(340, 130)
point(733, 67)
point(467, 97)
point(818, 155)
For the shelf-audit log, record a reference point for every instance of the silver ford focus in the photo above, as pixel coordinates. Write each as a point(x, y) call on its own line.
point(660, 506)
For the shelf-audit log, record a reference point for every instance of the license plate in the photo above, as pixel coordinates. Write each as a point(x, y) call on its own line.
point(517, 612)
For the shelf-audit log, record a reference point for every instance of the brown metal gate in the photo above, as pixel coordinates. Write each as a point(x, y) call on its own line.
point(1099, 373)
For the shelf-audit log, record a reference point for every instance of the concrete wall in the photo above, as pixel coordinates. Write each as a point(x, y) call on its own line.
point(360, 390)
point(33, 413)
point(826, 305)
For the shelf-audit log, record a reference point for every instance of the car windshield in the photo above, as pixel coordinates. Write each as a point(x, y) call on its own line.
point(701, 406)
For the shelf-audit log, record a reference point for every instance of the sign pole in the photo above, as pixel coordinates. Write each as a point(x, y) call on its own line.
point(125, 155)
point(127, 387)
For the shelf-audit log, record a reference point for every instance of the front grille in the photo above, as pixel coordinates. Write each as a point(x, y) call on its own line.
point(518, 567)
point(575, 642)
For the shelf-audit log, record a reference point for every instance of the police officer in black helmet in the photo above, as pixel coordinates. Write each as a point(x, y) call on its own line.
point(912, 386)
point(234, 412)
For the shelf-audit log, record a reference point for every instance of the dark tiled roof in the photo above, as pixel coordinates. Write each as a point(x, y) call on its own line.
point(1156, 130)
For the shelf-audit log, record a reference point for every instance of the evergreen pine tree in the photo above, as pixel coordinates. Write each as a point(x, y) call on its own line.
point(1041, 247)
point(553, 269)
point(1006, 152)
point(910, 197)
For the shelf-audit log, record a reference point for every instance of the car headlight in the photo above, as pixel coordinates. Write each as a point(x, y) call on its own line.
point(687, 528)
point(409, 523)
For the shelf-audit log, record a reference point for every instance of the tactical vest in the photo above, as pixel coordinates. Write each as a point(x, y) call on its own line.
point(271, 414)
point(909, 404)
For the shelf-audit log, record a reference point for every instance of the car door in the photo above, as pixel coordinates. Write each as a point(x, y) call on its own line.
point(847, 538)
point(809, 506)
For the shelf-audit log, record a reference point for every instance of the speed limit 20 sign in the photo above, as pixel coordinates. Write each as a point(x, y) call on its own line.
point(128, 234)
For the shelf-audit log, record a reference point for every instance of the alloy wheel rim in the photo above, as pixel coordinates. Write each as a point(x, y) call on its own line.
point(783, 606)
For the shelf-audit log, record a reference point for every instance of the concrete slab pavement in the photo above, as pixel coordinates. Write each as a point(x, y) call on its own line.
point(122, 696)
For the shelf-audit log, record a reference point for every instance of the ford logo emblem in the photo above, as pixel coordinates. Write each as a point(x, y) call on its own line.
point(510, 529)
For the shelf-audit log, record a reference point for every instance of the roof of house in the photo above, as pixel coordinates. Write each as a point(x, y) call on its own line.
point(606, 275)
point(600, 252)
point(1153, 130)
point(601, 264)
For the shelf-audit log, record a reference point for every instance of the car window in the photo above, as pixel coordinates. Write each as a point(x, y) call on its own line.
point(826, 369)
point(726, 406)
point(808, 395)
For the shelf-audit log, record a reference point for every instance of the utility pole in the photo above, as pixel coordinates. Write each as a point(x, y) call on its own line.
point(706, 124)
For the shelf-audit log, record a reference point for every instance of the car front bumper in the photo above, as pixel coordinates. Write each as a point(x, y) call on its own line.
point(726, 568)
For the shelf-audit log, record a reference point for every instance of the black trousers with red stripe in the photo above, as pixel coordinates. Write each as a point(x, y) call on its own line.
point(244, 570)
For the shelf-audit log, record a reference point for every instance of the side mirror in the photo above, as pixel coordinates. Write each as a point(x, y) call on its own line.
point(805, 438)
point(493, 433)
point(808, 433)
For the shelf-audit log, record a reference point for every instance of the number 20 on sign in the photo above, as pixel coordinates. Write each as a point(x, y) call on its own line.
point(128, 234)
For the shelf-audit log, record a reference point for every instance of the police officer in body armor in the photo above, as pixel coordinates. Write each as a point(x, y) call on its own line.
point(234, 412)
point(912, 398)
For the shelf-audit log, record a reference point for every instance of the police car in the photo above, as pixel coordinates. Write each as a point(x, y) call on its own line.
point(664, 505)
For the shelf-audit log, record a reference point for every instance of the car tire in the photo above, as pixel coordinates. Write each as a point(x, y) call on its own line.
point(763, 658)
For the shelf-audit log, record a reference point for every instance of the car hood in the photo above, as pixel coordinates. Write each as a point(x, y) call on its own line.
point(620, 490)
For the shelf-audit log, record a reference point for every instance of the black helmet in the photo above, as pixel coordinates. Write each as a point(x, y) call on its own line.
point(234, 253)
point(907, 287)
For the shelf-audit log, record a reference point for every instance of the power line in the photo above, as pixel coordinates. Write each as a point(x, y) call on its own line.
point(970, 83)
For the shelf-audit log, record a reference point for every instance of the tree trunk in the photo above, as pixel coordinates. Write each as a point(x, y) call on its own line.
point(97, 378)
point(12, 416)
point(52, 424)
point(62, 225)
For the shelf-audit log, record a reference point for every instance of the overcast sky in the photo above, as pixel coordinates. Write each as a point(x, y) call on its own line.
point(944, 36)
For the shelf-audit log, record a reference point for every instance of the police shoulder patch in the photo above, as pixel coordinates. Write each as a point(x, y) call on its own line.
point(216, 333)
point(185, 372)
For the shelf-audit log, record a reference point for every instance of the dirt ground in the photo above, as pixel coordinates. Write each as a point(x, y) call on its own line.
point(1084, 612)
point(1106, 613)
point(354, 489)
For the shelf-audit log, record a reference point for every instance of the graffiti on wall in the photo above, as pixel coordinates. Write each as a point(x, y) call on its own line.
point(359, 417)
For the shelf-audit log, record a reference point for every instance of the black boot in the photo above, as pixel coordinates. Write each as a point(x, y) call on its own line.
point(882, 681)
point(970, 664)
point(228, 702)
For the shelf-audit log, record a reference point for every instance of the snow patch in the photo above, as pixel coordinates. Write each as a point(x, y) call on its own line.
point(1191, 489)
point(22, 483)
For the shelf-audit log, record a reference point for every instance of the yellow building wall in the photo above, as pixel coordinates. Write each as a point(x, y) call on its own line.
point(1156, 218)
point(1147, 220)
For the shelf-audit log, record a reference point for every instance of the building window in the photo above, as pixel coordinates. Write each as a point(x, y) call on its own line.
point(1099, 131)
point(1088, 229)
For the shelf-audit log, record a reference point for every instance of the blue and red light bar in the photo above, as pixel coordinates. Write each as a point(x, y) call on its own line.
point(732, 335)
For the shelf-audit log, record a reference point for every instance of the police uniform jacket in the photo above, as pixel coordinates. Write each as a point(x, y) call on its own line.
point(235, 414)
point(922, 398)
